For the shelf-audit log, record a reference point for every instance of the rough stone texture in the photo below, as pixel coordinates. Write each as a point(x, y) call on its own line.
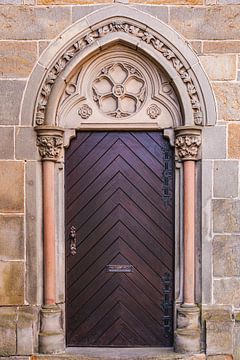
point(214, 142)
point(27, 330)
point(10, 97)
point(216, 313)
point(34, 281)
point(206, 23)
point(17, 58)
point(234, 141)
point(12, 283)
point(8, 318)
point(81, 11)
point(221, 47)
point(220, 357)
point(42, 45)
point(219, 337)
point(226, 291)
point(220, 67)
point(228, 100)
point(226, 216)
point(6, 143)
point(12, 189)
point(225, 179)
point(11, 237)
point(236, 341)
point(36, 22)
point(26, 148)
point(226, 254)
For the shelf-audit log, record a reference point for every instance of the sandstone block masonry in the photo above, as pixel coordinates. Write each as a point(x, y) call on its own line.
point(211, 28)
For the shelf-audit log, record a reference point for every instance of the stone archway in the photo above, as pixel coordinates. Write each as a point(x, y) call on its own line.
point(87, 38)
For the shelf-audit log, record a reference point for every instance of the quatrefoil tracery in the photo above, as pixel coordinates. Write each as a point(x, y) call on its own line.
point(119, 90)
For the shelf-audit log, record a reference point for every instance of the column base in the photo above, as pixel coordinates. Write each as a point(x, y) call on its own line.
point(51, 336)
point(187, 334)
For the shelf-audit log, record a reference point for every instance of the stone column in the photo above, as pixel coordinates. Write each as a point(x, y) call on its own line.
point(50, 144)
point(187, 334)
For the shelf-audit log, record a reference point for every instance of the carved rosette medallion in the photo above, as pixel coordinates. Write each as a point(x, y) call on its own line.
point(85, 111)
point(49, 146)
point(119, 90)
point(153, 111)
point(187, 146)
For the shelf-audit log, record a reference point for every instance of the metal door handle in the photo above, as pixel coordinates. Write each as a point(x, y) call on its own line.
point(73, 240)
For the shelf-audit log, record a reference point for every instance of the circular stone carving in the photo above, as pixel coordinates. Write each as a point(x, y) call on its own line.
point(153, 111)
point(119, 90)
point(85, 111)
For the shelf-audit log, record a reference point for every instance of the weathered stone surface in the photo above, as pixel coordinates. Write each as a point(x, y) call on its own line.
point(220, 357)
point(8, 318)
point(34, 257)
point(220, 67)
point(228, 100)
point(236, 341)
point(11, 237)
point(11, 189)
point(225, 179)
point(17, 58)
point(213, 23)
point(217, 313)
point(6, 143)
point(226, 216)
point(221, 47)
point(27, 330)
point(219, 337)
point(42, 45)
point(12, 283)
point(226, 254)
point(206, 231)
point(234, 141)
point(26, 148)
point(10, 97)
point(36, 22)
point(214, 142)
point(197, 46)
point(226, 291)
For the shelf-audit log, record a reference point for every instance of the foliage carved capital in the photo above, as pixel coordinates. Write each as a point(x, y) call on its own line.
point(188, 143)
point(49, 142)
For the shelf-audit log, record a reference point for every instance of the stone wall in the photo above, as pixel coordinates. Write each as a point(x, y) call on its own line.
point(26, 28)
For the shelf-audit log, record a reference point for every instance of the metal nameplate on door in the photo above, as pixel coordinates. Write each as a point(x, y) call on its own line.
point(119, 268)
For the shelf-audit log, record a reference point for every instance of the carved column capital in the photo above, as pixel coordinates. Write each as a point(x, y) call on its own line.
point(188, 143)
point(49, 142)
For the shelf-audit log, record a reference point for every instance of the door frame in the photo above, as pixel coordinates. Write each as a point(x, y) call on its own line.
point(40, 108)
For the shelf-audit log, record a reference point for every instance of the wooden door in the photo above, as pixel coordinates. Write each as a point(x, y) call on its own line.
point(119, 198)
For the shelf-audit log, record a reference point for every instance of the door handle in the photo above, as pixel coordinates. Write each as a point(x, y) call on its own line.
point(73, 240)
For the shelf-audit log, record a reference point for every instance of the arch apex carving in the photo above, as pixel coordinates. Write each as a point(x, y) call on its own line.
point(140, 30)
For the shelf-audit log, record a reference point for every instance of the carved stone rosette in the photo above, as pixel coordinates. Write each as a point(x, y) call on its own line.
point(49, 142)
point(187, 143)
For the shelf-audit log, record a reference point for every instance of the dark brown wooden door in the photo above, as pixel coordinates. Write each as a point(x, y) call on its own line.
point(119, 197)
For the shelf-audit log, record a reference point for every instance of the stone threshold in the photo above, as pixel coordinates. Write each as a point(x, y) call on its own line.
point(118, 354)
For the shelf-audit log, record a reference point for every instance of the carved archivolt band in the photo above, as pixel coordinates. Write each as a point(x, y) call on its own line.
point(50, 143)
point(126, 27)
point(187, 144)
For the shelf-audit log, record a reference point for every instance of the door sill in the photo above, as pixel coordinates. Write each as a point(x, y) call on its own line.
point(100, 353)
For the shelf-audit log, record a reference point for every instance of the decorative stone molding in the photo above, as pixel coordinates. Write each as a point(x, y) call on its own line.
point(49, 142)
point(187, 334)
point(138, 32)
point(187, 143)
point(51, 336)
